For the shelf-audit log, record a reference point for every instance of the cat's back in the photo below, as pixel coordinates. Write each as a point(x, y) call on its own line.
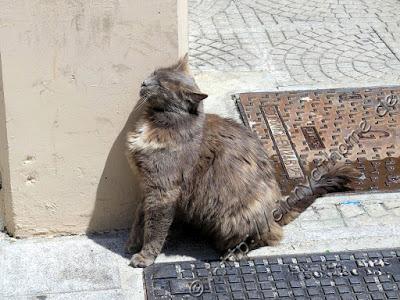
point(225, 133)
point(233, 146)
point(224, 128)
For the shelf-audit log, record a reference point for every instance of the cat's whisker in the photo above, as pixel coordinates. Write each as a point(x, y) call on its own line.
point(142, 101)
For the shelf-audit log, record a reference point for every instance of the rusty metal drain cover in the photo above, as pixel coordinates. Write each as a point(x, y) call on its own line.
point(302, 130)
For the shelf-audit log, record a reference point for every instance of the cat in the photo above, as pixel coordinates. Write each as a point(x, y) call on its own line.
point(206, 170)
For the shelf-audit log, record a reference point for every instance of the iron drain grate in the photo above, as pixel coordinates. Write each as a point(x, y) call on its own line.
point(343, 275)
point(302, 129)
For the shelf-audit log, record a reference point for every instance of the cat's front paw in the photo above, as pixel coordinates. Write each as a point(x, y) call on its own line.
point(140, 261)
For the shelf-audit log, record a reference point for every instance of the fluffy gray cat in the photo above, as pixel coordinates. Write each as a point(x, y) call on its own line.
point(205, 170)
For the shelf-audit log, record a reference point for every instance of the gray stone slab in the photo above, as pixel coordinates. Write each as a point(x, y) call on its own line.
point(90, 295)
point(33, 267)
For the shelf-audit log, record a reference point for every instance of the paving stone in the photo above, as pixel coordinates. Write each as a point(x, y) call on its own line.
point(376, 210)
point(89, 295)
point(396, 211)
point(46, 268)
point(390, 204)
point(327, 212)
point(331, 223)
point(309, 215)
point(367, 221)
point(351, 211)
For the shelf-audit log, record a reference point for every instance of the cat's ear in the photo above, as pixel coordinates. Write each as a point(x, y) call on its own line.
point(197, 97)
point(183, 64)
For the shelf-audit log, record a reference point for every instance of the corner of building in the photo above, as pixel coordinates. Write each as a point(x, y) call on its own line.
point(6, 220)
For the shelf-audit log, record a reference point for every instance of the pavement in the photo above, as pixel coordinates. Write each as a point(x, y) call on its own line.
point(242, 46)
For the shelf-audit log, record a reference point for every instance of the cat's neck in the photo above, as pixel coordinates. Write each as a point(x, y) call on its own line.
point(174, 120)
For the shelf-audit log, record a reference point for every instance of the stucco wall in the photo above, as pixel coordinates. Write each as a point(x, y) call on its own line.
point(71, 72)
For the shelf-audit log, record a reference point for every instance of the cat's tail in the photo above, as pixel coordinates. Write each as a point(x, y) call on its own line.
point(333, 180)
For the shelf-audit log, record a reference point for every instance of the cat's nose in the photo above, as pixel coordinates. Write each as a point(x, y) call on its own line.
point(146, 82)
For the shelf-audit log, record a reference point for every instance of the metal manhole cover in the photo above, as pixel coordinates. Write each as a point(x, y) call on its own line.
point(344, 275)
point(302, 130)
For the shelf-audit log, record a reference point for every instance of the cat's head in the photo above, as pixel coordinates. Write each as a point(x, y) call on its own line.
point(172, 89)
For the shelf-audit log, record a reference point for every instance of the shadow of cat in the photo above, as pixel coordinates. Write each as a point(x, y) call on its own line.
point(118, 193)
point(182, 244)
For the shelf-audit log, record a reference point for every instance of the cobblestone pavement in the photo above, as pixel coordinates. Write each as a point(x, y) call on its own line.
point(298, 42)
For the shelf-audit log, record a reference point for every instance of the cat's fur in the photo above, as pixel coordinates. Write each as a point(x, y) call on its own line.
point(206, 170)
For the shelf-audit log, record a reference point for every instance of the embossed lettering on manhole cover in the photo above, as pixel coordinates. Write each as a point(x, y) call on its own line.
point(359, 275)
point(302, 130)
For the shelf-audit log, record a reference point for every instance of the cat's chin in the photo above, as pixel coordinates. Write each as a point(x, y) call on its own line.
point(142, 93)
point(158, 109)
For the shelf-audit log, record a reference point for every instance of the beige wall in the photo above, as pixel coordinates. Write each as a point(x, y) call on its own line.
point(71, 72)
